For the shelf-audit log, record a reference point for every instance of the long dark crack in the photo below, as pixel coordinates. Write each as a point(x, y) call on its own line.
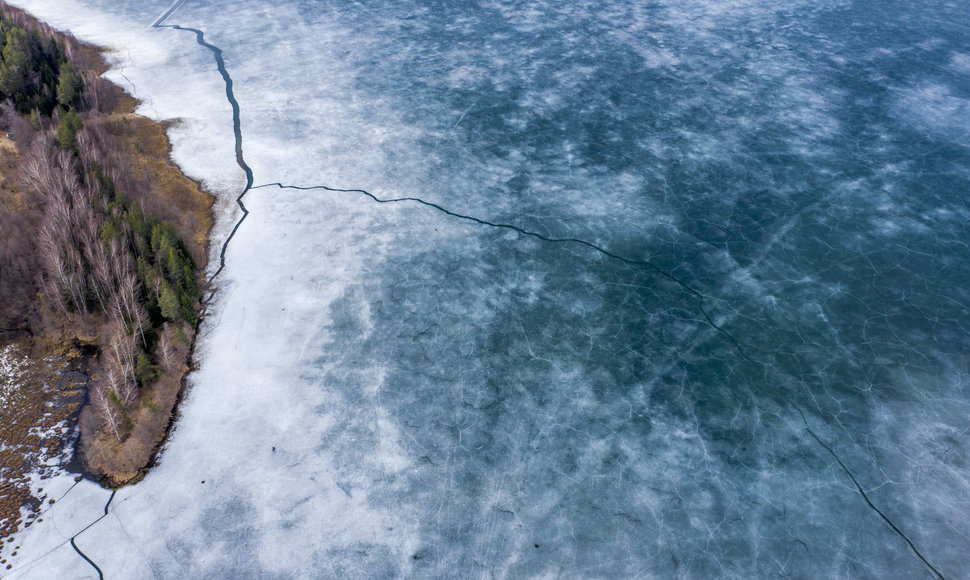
point(87, 527)
point(524, 232)
point(236, 129)
point(88, 560)
point(74, 537)
point(866, 498)
point(240, 160)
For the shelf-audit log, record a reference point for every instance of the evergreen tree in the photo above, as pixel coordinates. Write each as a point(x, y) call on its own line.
point(16, 64)
point(67, 129)
point(169, 302)
point(69, 86)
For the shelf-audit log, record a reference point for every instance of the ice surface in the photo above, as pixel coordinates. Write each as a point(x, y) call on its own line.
point(667, 290)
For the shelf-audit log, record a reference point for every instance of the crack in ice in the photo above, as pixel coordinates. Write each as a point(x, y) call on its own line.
point(236, 129)
point(72, 538)
point(642, 263)
point(578, 241)
point(240, 160)
point(78, 550)
point(868, 501)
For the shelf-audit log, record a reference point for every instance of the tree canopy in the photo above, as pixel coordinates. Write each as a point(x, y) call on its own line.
point(31, 70)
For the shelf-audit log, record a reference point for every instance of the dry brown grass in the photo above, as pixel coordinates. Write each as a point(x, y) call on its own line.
point(170, 194)
point(45, 396)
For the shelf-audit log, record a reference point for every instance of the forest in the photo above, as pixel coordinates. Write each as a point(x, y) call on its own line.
point(102, 243)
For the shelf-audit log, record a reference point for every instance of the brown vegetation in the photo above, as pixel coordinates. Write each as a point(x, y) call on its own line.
point(125, 461)
point(34, 419)
point(102, 247)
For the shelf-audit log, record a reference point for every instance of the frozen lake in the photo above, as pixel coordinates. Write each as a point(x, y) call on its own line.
point(556, 289)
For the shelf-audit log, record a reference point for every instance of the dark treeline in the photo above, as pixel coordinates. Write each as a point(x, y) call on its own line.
point(80, 248)
point(35, 73)
point(38, 71)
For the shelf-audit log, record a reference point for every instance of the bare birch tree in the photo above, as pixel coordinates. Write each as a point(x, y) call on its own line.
point(166, 351)
point(121, 354)
point(105, 408)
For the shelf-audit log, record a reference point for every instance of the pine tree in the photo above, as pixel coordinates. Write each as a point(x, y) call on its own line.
point(69, 86)
point(67, 129)
point(169, 302)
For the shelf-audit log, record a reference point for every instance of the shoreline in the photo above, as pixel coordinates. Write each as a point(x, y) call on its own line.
point(174, 196)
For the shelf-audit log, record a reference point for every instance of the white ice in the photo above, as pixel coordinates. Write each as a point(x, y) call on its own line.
point(386, 390)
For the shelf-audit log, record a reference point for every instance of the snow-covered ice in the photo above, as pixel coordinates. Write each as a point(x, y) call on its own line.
point(635, 291)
